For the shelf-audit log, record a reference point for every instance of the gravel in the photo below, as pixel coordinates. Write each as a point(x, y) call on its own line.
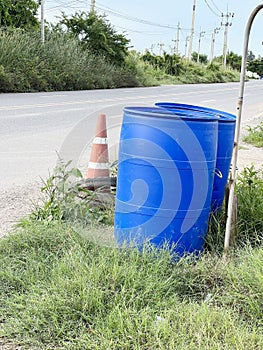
point(15, 203)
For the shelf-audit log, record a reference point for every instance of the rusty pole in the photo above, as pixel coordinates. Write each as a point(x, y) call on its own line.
point(238, 125)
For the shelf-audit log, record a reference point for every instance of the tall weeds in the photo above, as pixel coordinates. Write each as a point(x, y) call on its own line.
point(63, 64)
point(59, 64)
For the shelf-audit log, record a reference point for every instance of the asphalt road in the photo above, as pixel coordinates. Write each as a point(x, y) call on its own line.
point(35, 127)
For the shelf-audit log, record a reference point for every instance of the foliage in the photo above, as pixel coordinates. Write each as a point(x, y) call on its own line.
point(59, 64)
point(170, 64)
point(62, 64)
point(97, 35)
point(202, 58)
point(184, 71)
point(19, 14)
point(256, 66)
point(232, 60)
point(255, 135)
point(250, 56)
point(64, 199)
point(249, 192)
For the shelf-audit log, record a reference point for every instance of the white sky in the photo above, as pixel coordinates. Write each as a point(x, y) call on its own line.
point(129, 17)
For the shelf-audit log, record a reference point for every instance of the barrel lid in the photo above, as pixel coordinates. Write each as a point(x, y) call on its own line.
point(159, 112)
point(223, 116)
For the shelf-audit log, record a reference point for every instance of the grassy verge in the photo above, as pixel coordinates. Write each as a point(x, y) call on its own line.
point(62, 64)
point(60, 290)
point(255, 135)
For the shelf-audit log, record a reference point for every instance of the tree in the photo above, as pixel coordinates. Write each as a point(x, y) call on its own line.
point(97, 35)
point(202, 58)
point(256, 66)
point(19, 14)
point(250, 56)
point(234, 60)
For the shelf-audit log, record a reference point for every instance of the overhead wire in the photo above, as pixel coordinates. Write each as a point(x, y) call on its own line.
point(210, 8)
point(135, 19)
point(216, 7)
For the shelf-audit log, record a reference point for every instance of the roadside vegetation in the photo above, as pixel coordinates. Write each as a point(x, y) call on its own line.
point(63, 63)
point(85, 51)
point(255, 135)
point(65, 285)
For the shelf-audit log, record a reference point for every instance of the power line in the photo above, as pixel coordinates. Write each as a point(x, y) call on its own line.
point(216, 6)
point(139, 31)
point(70, 4)
point(210, 8)
point(135, 19)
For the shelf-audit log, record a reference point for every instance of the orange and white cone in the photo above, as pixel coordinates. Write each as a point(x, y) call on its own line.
point(99, 157)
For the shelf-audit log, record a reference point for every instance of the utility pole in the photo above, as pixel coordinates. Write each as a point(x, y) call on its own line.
point(92, 6)
point(177, 39)
point(192, 33)
point(201, 34)
point(227, 23)
point(186, 40)
point(215, 31)
point(160, 45)
point(42, 26)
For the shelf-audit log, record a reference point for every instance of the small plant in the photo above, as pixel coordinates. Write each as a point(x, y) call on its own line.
point(249, 190)
point(67, 199)
point(255, 135)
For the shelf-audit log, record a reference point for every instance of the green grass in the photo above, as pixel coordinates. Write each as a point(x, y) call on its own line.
point(64, 285)
point(255, 135)
point(64, 292)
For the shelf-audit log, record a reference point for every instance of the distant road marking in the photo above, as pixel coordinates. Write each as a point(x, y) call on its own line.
point(26, 115)
point(125, 98)
point(207, 101)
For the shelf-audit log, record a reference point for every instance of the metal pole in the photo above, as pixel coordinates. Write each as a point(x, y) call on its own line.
point(192, 33)
point(42, 28)
point(238, 125)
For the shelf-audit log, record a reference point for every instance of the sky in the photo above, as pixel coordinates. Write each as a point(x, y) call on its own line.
point(152, 24)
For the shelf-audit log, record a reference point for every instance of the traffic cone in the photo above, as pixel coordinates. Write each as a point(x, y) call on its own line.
point(99, 158)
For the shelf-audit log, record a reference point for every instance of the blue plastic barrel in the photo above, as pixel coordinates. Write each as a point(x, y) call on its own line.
point(226, 134)
point(165, 177)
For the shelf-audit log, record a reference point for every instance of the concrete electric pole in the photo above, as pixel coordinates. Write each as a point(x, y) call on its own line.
point(42, 26)
point(92, 6)
point(215, 31)
point(227, 23)
point(192, 33)
point(201, 34)
point(186, 41)
point(177, 39)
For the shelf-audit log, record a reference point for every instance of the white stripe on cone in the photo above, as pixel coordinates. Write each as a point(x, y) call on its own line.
point(99, 166)
point(100, 140)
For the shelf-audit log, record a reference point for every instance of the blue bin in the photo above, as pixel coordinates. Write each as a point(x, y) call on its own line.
point(165, 177)
point(226, 134)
